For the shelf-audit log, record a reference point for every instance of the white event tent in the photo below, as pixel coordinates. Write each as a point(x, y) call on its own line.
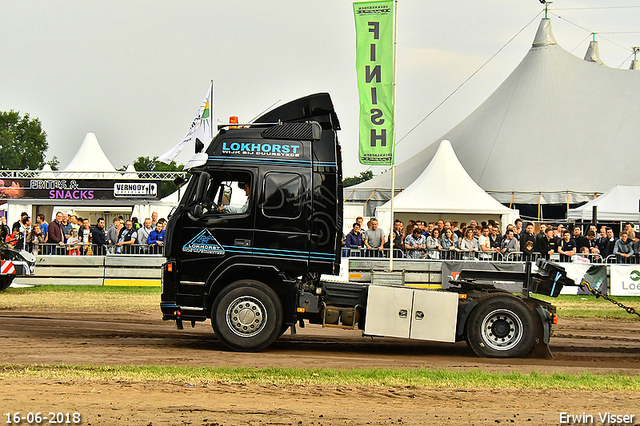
point(445, 191)
point(552, 104)
point(90, 158)
point(620, 203)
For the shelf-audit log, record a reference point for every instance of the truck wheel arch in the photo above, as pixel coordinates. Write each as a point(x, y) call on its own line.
point(266, 274)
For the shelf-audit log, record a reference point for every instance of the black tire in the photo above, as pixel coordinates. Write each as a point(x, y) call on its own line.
point(5, 281)
point(501, 327)
point(247, 316)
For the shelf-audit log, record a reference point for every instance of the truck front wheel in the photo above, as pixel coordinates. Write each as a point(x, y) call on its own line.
point(247, 316)
point(501, 327)
point(5, 281)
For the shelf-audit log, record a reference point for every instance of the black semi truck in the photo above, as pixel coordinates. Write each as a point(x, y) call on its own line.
point(261, 220)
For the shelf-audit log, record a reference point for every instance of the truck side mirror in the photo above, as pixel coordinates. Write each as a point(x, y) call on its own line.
point(201, 189)
point(199, 146)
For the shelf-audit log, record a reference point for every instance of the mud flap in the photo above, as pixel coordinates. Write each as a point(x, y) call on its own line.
point(542, 349)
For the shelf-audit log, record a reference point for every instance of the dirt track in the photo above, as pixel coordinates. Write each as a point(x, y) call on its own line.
point(143, 339)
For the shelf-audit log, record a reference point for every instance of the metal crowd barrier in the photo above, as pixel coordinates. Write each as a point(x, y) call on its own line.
point(487, 256)
point(79, 249)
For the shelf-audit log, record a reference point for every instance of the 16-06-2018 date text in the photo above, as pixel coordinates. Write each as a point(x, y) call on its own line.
point(43, 418)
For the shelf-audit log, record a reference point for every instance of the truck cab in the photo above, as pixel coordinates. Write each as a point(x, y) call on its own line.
point(261, 213)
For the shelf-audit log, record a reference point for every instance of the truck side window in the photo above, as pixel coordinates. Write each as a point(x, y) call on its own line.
point(282, 195)
point(228, 193)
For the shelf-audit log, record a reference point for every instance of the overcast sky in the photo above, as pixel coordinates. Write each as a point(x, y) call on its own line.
point(134, 72)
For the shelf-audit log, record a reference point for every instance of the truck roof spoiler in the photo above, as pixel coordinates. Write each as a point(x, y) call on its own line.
point(317, 107)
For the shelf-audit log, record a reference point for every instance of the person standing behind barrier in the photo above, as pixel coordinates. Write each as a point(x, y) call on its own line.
point(495, 239)
point(460, 231)
point(623, 248)
point(75, 223)
point(510, 244)
point(518, 230)
point(354, 238)
point(99, 238)
point(56, 232)
point(448, 243)
point(144, 231)
point(374, 237)
point(469, 243)
point(602, 235)
point(66, 225)
point(576, 233)
point(126, 237)
point(156, 239)
point(19, 222)
point(433, 244)
point(527, 235)
point(397, 238)
point(548, 245)
point(567, 247)
point(582, 256)
point(36, 238)
point(84, 235)
point(449, 225)
point(4, 229)
point(15, 239)
point(415, 243)
point(541, 234)
point(588, 241)
point(44, 226)
point(484, 242)
point(25, 230)
point(112, 232)
point(607, 244)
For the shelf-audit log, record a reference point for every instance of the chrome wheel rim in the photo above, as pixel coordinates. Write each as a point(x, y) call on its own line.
point(501, 330)
point(246, 316)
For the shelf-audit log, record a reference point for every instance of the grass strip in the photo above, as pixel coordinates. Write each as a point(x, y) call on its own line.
point(429, 378)
point(588, 306)
point(62, 298)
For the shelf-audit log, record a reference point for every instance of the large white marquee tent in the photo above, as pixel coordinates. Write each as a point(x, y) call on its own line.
point(620, 203)
point(553, 106)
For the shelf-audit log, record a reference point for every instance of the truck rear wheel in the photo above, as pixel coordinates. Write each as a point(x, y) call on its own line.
point(5, 281)
point(247, 316)
point(501, 327)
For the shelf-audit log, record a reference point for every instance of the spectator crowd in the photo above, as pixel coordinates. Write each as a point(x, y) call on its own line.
point(446, 239)
point(73, 235)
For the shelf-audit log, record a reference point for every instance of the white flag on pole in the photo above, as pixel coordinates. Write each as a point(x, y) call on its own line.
point(200, 128)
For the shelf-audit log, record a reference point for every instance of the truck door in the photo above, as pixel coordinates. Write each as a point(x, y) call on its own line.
point(282, 220)
point(217, 231)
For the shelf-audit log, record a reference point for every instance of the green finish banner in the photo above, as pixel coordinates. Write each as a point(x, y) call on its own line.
point(374, 65)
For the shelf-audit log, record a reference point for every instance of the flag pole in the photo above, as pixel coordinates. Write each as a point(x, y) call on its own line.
point(393, 149)
point(211, 114)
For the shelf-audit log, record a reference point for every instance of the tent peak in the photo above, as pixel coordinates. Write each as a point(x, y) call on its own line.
point(634, 61)
point(90, 157)
point(593, 53)
point(544, 36)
